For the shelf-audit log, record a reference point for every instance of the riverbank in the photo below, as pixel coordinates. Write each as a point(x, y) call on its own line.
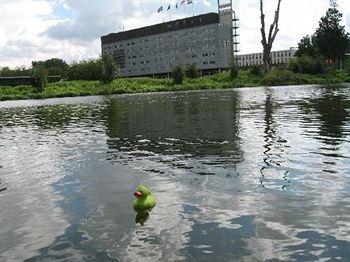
point(142, 85)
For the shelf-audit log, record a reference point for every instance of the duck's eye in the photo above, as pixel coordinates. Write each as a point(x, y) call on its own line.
point(138, 194)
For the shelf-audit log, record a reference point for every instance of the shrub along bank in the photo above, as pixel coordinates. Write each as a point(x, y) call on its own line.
point(245, 78)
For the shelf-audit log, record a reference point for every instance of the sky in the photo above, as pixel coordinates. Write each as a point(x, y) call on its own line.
point(32, 30)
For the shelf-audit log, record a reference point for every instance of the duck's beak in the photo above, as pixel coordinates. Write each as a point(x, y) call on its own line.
point(138, 194)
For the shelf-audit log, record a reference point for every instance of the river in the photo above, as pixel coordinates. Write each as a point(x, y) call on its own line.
point(251, 174)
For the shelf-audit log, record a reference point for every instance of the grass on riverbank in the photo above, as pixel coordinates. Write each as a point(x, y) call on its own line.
point(141, 85)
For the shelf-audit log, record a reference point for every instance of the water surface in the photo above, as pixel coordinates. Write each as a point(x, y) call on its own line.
point(252, 174)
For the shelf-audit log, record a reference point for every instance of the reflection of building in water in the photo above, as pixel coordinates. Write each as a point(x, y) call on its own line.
point(256, 59)
point(194, 123)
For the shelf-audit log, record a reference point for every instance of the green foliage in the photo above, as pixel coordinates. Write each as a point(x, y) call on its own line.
point(178, 75)
point(192, 71)
point(233, 70)
point(307, 65)
point(306, 47)
point(347, 63)
point(18, 71)
point(90, 70)
point(256, 70)
point(319, 65)
point(39, 76)
point(294, 66)
point(54, 66)
point(282, 77)
point(144, 84)
point(109, 68)
point(330, 37)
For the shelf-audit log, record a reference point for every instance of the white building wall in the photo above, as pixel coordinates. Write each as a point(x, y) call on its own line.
point(256, 59)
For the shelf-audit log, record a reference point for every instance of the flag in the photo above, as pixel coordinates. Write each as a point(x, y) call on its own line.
point(189, 2)
point(182, 2)
point(168, 7)
point(160, 9)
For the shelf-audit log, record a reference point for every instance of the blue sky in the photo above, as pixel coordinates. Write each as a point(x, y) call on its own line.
point(71, 29)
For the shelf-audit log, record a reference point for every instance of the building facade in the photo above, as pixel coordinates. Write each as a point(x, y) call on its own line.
point(204, 40)
point(256, 59)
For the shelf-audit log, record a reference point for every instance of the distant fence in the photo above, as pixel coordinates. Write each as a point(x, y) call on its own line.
point(24, 80)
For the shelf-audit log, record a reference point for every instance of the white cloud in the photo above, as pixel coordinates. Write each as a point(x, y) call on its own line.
point(71, 29)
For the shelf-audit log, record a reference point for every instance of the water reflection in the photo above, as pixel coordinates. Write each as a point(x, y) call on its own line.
point(211, 241)
point(72, 163)
point(142, 217)
point(317, 246)
point(332, 111)
point(275, 146)
point(182, 135)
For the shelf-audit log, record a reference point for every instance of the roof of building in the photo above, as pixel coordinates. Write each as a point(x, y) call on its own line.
point(200, 20)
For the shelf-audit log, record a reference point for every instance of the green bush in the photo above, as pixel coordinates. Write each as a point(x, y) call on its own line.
point(347, 64)
point(307, 65)
point(294, 66)
point(256, 70)
point(109, 68)
point(192, 71)
point(90, 70)
point(282, 77)
point(233, 70)
point(39, 76)
point(318, 66)
point(178, 75)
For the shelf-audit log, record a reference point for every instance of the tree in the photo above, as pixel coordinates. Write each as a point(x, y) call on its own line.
point(233, 69)
point(85, 70)
point(331, 38)
point(109, 68)
point(306, 47)
point(268, 41)
point(53, 62)
point(192, 71)
point(307, 65)
point(54, 66)
point(178, 75)
point(39, 76)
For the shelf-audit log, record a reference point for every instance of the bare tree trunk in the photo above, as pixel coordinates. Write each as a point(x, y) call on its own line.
point(268, 41)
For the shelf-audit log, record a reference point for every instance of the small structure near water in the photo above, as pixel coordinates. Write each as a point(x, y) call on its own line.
point(24, 80)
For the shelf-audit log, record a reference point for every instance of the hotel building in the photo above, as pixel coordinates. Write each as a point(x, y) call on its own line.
point(206, 41)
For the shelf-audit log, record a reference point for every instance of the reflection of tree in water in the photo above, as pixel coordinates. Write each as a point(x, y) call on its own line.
point(54, 116)
point(332, 114)
point(50, 116)
point(328, 116)
point(274, 145)
point(181, 126)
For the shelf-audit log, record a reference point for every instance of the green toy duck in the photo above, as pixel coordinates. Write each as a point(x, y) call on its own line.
point(144, 200)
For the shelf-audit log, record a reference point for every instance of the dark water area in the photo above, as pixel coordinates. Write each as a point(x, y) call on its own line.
point(254, 174)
